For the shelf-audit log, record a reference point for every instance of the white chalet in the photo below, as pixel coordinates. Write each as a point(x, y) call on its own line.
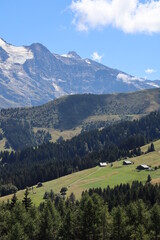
point(102, 164)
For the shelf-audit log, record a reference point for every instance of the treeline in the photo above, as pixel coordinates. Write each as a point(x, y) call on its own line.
point(88, 218)
point(50, 160)
point(124, 194)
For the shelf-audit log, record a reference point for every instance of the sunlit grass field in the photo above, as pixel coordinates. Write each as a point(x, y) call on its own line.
point(100, 177)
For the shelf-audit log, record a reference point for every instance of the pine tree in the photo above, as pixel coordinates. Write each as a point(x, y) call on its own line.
point(13, 200)
point(106, 224)
point(63, 191)
point(67, 230)
point(119, 223)
point(49, 222)
point(72, 198)
point(46, 226)
point(46, 195)
point(149, 178)
point(26, 200)
point(17, 233)
point(51, 195)
point(152, 147)
point(141, 233)
point(155, 221)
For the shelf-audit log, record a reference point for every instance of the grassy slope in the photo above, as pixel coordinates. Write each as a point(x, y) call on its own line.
point(100, 177)
point(55, 133)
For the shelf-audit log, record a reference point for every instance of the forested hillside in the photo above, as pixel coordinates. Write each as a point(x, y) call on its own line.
point(123, 213)
point(50, 160)
point(86, 111)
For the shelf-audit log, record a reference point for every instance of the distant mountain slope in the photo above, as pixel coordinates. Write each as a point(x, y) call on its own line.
point(70, 111)
point(31, 76)
point(69, 115)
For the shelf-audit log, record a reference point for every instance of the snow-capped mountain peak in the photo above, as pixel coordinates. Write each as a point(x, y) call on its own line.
point(33, 75)
point(72, 54)
point(16, 54)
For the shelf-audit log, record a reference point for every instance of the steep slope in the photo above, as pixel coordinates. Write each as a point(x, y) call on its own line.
point(31, 76)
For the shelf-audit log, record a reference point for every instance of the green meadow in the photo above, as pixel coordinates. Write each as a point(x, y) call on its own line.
point(100, 177)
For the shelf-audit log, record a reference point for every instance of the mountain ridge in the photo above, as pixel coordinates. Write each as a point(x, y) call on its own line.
point(68, 111)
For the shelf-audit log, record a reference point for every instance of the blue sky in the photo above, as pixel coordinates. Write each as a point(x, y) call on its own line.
point(123, 34)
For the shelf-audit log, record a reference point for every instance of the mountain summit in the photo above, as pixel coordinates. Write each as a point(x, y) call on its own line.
point(32, 75)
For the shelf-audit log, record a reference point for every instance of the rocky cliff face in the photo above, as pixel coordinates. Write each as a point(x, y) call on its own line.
point(32, 75)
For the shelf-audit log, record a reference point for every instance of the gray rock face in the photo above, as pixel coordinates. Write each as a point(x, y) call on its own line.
point(31, 76)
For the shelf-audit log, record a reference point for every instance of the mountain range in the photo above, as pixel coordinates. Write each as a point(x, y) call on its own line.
point(32, 75)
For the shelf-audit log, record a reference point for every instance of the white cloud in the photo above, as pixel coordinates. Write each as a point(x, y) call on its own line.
point(150, 71)
point(128, 79)
point(96, 57)
point(131, 16)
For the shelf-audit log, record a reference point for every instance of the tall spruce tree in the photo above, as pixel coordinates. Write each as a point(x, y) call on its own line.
point(13, 200)
point(26, 200)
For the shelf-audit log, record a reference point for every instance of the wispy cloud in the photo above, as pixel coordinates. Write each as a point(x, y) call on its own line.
point(96, 57)
point(131, 16)
point(150, 71)
point(128, 79)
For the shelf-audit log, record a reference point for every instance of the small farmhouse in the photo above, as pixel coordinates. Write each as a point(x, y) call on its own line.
point(127, 162)
point(143, 167)
point(102, 164)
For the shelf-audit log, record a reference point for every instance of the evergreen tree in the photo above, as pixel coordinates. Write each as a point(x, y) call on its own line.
point(17, 233)
point(141, 233)
point(67, 229)
point(46, 195)
point(106, 224)
point(88, 220)
point(149, 178)
point(119, 223)
point(91, 217)
point(63, 191)
point(155, 222)
point(46, 227)
point(5, 216)
point(72, 198)
point(152, 147)
point(26, 200)
point(13, 200)
point(49, 222)
point(51, 195)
